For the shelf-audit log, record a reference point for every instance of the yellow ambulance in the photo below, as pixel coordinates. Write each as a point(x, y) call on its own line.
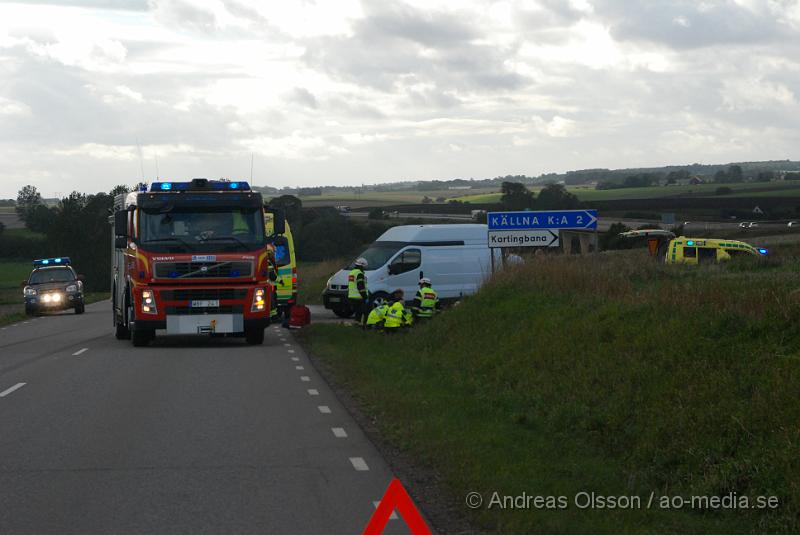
point(670, 249)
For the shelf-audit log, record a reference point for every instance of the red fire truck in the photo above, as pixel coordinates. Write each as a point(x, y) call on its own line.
point(191, 258)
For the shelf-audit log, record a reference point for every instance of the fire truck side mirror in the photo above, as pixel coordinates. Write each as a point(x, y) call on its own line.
point(121, 223)
point(278, 221)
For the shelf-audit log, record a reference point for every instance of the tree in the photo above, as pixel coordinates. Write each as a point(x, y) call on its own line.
point(292, 207)
point(516, 196)
point(735, 174)
point(765, 176)
point(28, 198)
point(556, 197)
point(116, 190)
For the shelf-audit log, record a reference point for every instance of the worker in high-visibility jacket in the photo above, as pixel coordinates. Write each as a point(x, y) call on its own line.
point(426, 301)
point(396, 315)
point(357, 293)
point(272, 273)
point(377, 317)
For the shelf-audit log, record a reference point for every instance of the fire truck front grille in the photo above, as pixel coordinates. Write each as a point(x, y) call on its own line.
point(199, 294)
point(189, 311)
point(203, 270)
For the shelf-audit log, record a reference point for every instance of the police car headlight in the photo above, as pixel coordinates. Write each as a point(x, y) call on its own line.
point(72, 288)
point(29, 292)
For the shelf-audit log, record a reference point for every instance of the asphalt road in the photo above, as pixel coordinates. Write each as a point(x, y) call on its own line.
point(189, 435)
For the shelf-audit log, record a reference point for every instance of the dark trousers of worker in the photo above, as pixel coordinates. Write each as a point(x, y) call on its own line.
point(360, 311)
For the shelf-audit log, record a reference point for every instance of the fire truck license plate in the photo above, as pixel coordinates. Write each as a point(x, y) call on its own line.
point(207, 303)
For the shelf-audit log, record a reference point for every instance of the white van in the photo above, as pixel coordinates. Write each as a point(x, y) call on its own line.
point(455, 258)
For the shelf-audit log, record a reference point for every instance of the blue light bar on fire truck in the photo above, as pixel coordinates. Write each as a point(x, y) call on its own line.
point(199, 185)
point(57, 261)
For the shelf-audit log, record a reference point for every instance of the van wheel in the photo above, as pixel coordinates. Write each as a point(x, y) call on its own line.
point(343, 311)
point(254, 337)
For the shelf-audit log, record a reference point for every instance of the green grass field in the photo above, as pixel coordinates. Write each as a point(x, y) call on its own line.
point(11, 276)
point(774, 189)
point(609, 374)
point(385, 198)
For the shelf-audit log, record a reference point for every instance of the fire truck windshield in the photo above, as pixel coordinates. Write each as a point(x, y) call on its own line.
point(203, 229)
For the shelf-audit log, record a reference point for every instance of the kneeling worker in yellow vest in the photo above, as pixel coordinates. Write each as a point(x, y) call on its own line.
point(396, 315)
point(426, 301)
point(377, 317)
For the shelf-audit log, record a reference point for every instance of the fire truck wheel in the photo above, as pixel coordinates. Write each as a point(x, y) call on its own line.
point(254, 337)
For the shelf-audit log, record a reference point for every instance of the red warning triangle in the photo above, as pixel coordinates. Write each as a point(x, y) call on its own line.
point(396, 497)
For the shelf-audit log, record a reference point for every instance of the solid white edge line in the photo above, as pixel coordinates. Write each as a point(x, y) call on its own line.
point(339, 432)
point(324, 409)
point(393, 516)
point(359, 464)
point(78, 352)
point(14, 388)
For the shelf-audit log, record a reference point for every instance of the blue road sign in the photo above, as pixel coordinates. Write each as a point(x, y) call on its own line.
point(567, 219)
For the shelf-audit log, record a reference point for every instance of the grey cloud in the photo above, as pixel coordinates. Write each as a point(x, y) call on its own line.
point(122, 5)
point(304, 97)
point(400, 45)
point(688, 24)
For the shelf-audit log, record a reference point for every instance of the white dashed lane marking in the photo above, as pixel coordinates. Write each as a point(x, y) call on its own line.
point(295, 359)
point(339, 432)
point(324, 409)
point(291, 351)
point(78, 352)
point(299, 368)
point(313, 392)
point(359, 464)
point(305, 378)
point(288, 344)
point(14, 388)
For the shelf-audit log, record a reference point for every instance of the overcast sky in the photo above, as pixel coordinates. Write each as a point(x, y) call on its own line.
point(351, 92)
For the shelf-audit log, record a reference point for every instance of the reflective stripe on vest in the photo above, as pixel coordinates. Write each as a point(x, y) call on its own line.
point(352, 286)
point(394, 316)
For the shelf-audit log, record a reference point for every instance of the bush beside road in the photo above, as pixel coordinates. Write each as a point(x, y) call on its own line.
point(610, 374)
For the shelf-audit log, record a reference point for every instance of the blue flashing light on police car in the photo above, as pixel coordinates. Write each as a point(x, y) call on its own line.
point(166, 186)
point(762, 251)
point(233, 185)
point(690, 243)
point(59, 261)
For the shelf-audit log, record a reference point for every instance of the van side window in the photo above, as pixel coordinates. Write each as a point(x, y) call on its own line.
point(690, 252)
point(408, 260)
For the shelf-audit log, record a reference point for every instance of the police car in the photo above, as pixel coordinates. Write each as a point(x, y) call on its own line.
point(53, 285)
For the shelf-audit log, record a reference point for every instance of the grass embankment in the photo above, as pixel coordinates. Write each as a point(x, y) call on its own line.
point(611, 374)
point(311, 279)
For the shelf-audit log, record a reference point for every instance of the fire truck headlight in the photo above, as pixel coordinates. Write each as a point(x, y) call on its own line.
point(148, 302)
point(259, 300)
